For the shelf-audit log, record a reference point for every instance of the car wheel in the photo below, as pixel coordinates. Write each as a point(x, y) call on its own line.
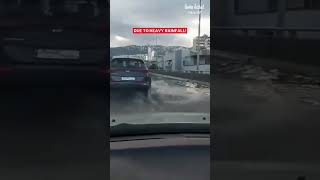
point(146, 94)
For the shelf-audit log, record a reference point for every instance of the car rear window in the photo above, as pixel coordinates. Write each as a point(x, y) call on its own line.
point(127, 63)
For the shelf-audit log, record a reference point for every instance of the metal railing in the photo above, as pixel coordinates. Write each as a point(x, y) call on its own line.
point(182, 71)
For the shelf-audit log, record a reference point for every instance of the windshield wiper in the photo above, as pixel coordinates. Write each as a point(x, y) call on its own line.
point(126, 129)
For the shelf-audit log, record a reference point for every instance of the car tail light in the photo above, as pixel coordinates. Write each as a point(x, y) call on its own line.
point(144, 71)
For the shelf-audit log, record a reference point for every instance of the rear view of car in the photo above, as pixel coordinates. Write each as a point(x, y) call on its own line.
point(53, 41)
point(130, 74)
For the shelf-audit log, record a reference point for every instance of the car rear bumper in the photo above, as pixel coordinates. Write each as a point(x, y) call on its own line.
point(53, 75)
point(129, 85)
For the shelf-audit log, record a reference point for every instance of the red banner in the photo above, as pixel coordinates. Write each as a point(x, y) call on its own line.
point(159, 30)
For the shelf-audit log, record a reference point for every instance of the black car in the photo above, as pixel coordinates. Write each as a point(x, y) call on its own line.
point(53, 41)
point(130, 74)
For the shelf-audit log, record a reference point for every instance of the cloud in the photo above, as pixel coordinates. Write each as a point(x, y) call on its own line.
point(119, 38)
point(117, 41)
point(154, 13)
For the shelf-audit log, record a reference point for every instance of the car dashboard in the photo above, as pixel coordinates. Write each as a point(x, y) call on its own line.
point(177, 156)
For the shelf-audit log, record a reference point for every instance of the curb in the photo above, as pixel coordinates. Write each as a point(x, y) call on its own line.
point(201, 83)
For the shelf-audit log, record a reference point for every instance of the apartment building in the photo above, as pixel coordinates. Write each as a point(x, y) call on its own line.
point(203, 42)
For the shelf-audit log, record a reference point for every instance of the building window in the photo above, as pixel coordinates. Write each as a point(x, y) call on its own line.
point(207, 60)
point(303, 4)
point(254, 6)
point(202, 61)
point(194, 61)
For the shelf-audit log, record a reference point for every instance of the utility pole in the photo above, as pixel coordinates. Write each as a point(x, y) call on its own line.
point(198, 40)
point(155, 53)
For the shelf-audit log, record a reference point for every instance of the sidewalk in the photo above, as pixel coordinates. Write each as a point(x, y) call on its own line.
point(269, 63)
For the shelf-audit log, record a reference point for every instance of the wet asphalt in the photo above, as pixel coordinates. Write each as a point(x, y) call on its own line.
point(167, 95)
point(49, 131)
point(262, 120)
point(252, 120)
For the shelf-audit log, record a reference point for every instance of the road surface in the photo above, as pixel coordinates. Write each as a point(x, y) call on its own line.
point(260, 115)
point(63, 130)
point(78, 108)
point(167, 95)
point(265, 130)
point(253, 120)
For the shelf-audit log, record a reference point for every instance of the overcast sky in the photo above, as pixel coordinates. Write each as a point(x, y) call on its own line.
point(126, 14)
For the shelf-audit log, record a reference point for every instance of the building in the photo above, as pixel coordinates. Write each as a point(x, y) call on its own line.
point(173, 60)
point(269, 13)
point(207, 43)
point(160, 63)
point(203, 42)
point(180, 55)
point(136, 56)
point(150, 56)
point(185, 60)
point(169, 60)
point(190, 62)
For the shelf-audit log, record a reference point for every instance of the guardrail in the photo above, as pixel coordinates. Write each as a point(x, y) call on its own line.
point(196, 72)
point(182, 71)
point(192, 76)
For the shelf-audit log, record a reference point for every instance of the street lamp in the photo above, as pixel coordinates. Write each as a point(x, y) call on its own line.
point(198, 41)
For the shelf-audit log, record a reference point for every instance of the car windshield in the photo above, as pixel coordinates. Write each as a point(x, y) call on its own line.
point(175, 80)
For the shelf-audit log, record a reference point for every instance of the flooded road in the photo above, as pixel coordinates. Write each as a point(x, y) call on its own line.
point(167, 95)
point(276, 120)
point(265, 127)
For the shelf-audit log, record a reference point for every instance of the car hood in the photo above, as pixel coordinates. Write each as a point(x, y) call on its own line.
point(160, 118)
point(159, 123)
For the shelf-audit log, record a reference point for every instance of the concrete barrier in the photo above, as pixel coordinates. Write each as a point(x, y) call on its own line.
point(190, 76)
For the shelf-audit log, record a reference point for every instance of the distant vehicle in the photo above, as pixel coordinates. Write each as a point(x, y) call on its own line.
point(57, 41)
point(130, 74)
